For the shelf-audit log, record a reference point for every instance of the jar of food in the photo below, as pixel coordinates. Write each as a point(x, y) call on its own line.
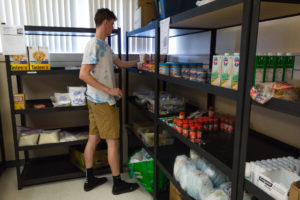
point(164, 69)
point(201, 74)
point(185, 71)
point(185, 131)
point(211, 111)
point(193, 71)
point(222, 124)
point(210, 125)
point(179, 126)
point(230, 126)
point(199, 132)
point(182, 115)
point(216, 125)
point(175, 70)
point(193, 133)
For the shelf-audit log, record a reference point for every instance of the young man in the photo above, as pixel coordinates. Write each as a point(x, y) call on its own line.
point(97, 71)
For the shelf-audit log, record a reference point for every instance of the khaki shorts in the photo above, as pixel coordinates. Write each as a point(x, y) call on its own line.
point(104, 120)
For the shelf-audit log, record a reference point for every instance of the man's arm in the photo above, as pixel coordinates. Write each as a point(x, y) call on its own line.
point(86, 76)
point(125, 64)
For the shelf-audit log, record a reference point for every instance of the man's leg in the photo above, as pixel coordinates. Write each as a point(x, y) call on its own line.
point(119, 186)
point(91, 181)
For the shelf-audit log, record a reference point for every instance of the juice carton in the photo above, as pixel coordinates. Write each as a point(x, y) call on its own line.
point(289, 67)
point(235, 71)
point(226, 74)
point(38, 57)
point(18, 63)
point(19, 101)
point(216, 70)
point(280, 63)
point(270, 68)
point(259, 69)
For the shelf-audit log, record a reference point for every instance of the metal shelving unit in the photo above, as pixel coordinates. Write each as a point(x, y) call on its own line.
point(2, 152)
point(48, 169)
point(227, 152)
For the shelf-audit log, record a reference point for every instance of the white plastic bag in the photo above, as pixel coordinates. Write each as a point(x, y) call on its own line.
point(61, 100)
point(218, 195)
point(49, 136)
point(179, 162)
point(77, 96)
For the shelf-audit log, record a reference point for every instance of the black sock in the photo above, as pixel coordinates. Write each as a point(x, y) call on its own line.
point(89, 174)
point(117, 180)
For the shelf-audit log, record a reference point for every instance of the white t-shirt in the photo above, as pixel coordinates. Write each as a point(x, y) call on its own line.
point(101, 56)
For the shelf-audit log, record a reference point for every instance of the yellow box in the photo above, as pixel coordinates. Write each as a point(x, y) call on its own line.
point(19, 101)
point(295, 191)
point(77, 158)
point(38, 58)
point(174, 193)
point(19, 63)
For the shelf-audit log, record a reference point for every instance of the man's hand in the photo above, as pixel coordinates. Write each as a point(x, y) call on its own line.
point(115, 92)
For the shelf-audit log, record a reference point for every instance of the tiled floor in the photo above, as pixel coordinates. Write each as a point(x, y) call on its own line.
point(63, 190)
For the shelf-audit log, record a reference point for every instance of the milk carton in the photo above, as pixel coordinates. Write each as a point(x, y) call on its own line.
point(226, 72)
point(279, 70)
point(289, 67)
point(235, 71)
point(38, 57)
point(259, 68)
point(270, 68)
point(216, 70)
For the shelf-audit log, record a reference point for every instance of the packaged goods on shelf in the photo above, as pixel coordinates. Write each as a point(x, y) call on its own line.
point(216, 70)
point(147, 136)
point(82, 135)
point(61, 100)
point(164, 69)
point(38, 58)
point(235, 71)
point(289, 67)
point(263, 92)
point(141, 165)
point(270, 68)
point(197, 180)
point(77, 158)
point(280, 66)
point(226, 72)
point(65, 136)
point(259, 69)
point(28, 136)
point(19, 102)
point(49, 136)
point(274, 176)
point(19, 63)
point(77, 96)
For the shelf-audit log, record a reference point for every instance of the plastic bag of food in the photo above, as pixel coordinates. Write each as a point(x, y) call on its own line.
point(65, 136)
point(28, 136)
point(179, 162)
point(61, 100)
point(49, 136)
point(183, 171)
point(218, 195)
point(262, 92)
point(77, 96)
point(199, 185)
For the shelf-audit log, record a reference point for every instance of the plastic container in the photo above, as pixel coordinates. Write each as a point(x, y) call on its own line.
point(164, 69)
point(193, 71)
point(175, 70)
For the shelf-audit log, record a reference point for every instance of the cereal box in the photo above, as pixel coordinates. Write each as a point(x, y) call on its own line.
point(38, 58)
point(19, 101)
point(19, 63)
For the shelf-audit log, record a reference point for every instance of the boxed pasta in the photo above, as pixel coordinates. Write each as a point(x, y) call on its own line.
point(18, 63)
point(38, 58)
point(19, 101)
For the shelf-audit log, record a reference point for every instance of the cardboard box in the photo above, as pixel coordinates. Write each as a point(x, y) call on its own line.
point(38, 58)
point(19, 63)
point(295, 191)
point(77, 158)
point(19, 101)
point(144, 13)
point(277, 183)
point(174, 193)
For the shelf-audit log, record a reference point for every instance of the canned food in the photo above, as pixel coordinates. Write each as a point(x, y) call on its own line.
point(175, 70)
point(164, 69)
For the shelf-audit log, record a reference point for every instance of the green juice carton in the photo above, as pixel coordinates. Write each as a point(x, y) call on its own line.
point(279, 70)
point(216, 69)
point(259, 68)
point(270, 68)
point(289, 67)
point(226, 72)
point(235, 71)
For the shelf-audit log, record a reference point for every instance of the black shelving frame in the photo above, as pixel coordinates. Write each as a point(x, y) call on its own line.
point(211, 17)
point(2, 150)
point(56, 168)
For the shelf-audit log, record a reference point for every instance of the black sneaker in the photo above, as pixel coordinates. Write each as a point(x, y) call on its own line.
point(94, 183)
point(124, 187)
